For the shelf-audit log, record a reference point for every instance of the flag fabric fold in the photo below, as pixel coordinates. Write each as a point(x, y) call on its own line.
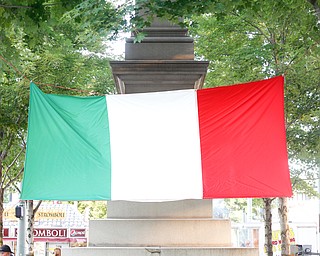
point(223, 142)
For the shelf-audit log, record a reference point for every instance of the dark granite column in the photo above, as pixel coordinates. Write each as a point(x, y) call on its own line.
point(164, 60)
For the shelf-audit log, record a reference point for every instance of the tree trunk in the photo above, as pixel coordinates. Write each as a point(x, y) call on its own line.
point(31, 212)
point(1, 215)
point(284, 226)
point(30, 225)
point(268, 226)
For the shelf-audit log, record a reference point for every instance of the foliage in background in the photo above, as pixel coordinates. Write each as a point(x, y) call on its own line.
point(94, 209)
point(238, 208)
point(244, 40)
point(273, 38)
point(37, 44)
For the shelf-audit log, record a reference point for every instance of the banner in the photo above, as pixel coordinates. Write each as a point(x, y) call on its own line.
point(223, 142)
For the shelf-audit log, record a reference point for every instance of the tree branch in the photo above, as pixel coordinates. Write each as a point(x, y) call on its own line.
point(9, 144)
point(316, 8)
point(24, 144)
point(14, 179)
point(14, 160)
point(37, 207)
point(256, 27)
point(15, 6)
point(15, 186)
point(5, 151)
point(298, 54)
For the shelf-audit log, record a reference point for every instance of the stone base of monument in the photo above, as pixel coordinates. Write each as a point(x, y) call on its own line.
point(166, 228)
point(160, 251)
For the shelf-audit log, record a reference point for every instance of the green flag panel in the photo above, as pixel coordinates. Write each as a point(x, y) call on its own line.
point(79, 150)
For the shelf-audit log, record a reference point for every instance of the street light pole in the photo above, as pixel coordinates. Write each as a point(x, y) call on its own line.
point(20, 214)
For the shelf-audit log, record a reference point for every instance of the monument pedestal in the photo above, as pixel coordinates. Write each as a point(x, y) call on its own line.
point(160, 228)
point(165, 228)
point(170, 224)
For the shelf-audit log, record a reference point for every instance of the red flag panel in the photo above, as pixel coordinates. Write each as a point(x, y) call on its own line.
point(243, 140)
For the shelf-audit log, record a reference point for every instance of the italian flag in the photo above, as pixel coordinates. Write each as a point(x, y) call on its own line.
point(223, 142)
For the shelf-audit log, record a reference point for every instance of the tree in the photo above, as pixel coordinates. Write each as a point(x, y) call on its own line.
point(12, 139)
point(36, 43)
point(271, 38)
point(249, 40)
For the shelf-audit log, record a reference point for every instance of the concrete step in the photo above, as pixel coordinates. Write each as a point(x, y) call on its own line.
point(184, 209)
point(160, 232)
point(159, 251)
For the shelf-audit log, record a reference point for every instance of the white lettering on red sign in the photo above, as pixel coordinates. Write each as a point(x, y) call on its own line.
point(50, 232)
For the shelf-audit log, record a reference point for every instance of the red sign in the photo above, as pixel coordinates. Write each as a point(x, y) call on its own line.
point(79, 232)
point(48, 232)
point(5, 232)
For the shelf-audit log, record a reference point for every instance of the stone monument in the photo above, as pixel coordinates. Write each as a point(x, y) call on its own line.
point(163, 61)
